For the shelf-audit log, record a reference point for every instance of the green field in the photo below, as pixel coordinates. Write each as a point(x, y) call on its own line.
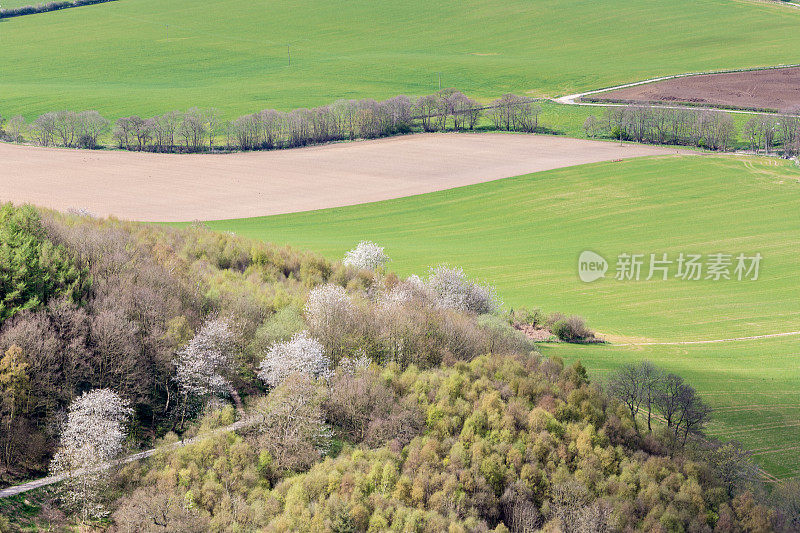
point(120, 58)
point(753, 386)
point(525, 234)
point(8, 4)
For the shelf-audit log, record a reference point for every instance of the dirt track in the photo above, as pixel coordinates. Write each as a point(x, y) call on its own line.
point(163, 187)
point(777, 89)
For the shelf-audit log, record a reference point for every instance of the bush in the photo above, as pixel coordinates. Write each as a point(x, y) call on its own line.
point(570, 329)
point(453, 290)
point(367, 256)
point(301, 354)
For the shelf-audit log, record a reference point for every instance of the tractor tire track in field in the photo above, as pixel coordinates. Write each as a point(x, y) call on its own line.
point(711, 341)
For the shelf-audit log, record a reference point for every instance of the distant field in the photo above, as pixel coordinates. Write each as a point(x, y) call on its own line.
point(525, 234)
point(8, 4)
point(150, 56)
point(774, 89)
point(172, 187)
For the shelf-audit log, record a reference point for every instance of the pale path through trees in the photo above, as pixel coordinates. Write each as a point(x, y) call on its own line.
point(51, 480)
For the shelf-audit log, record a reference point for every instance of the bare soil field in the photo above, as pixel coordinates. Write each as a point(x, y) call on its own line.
point(773, 89)
point(176, 188)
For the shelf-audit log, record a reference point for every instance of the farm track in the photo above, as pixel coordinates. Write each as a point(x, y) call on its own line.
point(712, 341)
point(179, 188)
point(575, 99)
point(52, 480)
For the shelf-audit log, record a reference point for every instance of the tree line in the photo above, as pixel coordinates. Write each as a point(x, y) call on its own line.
point(704, 128)
point(198, 130)
point(645, 387)
point(44, 8)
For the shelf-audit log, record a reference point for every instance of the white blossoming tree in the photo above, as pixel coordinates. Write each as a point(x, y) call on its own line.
point(412, 288)
point(327, 307)
point(367, 256)
point(453, 290)
point(91, 440)
point(330, 315)
point(302, 354)
point(201, 364)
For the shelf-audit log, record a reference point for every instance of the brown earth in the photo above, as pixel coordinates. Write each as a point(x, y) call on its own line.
point(773, 89)
point(168, 187)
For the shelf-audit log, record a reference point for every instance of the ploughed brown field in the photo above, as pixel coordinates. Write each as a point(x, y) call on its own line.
point(168, 187)
point(773, 89)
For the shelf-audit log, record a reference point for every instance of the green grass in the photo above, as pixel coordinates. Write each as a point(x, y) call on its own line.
point(8, 4)
point(524, 234)
point(231, 54)
point(753, 387)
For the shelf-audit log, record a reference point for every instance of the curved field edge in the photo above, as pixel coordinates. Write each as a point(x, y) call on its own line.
point(170, 187)
point(525, 235)
point(122, 59)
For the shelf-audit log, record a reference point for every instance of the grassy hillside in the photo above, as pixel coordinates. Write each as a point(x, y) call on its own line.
point(526, 233)
point(120, 58)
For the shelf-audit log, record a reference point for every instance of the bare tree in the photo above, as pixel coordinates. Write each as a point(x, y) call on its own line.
point(91, 125)
point(14, 128)
point(591, 126)
point(66, 128)
point(426, 108)
point(132, 133)
point(683, 410)
point(192, 129)
point(627, 385)
point(213, 125)
point(44, 128)
point(651, 378)
point(164, 128)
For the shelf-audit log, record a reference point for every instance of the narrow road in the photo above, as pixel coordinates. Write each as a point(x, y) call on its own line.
point(712, 341)
point(575, 99)
point(51, 480)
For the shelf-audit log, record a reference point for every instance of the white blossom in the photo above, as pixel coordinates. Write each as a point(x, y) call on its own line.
point(412, 288)
point(366, 255)
point(327, 305)
point(201, 363)
point(92, 437)
point(302, 354)
point(453, 290)
point(351, 366)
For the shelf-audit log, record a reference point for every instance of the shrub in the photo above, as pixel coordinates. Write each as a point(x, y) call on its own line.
point(367, 255)
point(453, 290)
point(302, 354)
point(570, 329)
